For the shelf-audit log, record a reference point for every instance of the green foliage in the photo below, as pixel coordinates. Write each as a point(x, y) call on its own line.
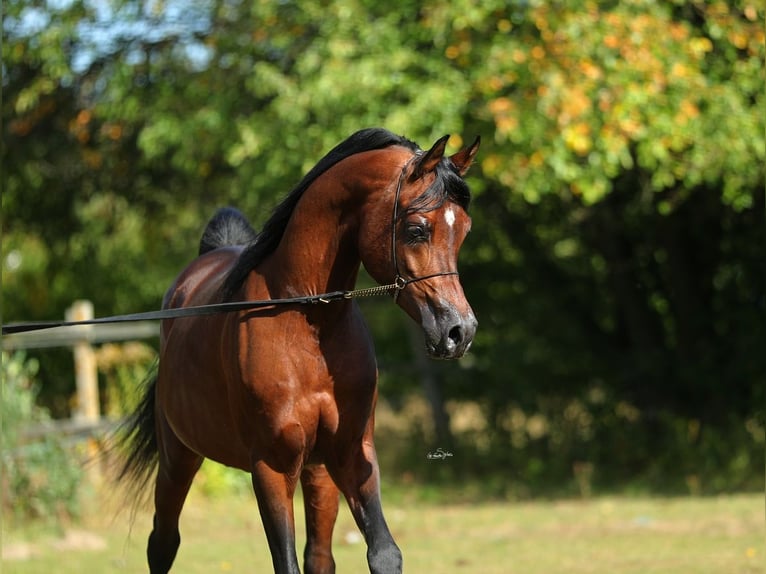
point(618, 214)
point(40, 478)
point(123, 368)
point(564, 446)
point(215, 480)
point(585, 93)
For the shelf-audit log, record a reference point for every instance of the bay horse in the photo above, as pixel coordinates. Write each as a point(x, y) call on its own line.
point(288, 392)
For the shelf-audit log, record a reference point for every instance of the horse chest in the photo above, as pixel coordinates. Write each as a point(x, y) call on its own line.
point(304, 391)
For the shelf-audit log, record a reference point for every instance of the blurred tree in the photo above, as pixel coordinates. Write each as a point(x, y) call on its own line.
point(618, 219)
point(634, 130)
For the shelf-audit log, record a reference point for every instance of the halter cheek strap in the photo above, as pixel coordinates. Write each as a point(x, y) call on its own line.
point(400, 281)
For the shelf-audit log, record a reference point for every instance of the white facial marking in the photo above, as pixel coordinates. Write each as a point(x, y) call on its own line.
point(449, 216)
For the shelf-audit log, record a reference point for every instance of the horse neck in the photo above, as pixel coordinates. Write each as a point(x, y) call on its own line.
point(318, 252)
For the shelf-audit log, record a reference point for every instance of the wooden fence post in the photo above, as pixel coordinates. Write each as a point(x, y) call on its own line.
point(86, 377)
point(86, 371)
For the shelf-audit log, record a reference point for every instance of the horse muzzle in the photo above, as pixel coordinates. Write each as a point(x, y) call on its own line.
point(448, 333)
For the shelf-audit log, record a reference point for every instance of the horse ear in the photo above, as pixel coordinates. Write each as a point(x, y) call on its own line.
point(428, 162)
point(464, 158)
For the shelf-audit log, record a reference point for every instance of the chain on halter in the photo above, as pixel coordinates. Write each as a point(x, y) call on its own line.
point(377, 290)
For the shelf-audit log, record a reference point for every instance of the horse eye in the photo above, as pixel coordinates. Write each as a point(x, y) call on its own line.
point(416, 233)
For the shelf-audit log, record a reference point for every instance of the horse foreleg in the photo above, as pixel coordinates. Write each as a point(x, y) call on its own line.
point(177, 467)
point(359, 480)
point(320, 500)
point(274, 491)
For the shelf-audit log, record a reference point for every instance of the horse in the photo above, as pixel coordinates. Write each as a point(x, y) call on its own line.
point(288, 392)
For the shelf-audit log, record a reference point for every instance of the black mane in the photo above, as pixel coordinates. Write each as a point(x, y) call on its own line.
point(269, 238)
point(448, 184)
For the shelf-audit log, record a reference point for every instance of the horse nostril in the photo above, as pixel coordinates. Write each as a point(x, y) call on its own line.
point(455, 335)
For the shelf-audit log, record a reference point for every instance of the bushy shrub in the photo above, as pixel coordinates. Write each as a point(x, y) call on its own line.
point(40, 478)
point(216, 480)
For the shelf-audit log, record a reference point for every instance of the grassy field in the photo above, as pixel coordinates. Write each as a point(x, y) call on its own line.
point(602, 535)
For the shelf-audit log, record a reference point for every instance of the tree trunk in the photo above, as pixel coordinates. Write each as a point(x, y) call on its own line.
point(429, 380)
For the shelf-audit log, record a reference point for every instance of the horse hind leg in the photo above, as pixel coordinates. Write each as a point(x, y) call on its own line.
point(320, 499)
point(177, 467)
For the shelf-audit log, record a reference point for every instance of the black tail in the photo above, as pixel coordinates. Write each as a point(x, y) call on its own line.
point(137, 441)
point(227, 227)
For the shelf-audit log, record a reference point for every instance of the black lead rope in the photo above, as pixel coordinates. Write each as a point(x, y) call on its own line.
point(172, 313)
point(200, 310)
point(215, 308)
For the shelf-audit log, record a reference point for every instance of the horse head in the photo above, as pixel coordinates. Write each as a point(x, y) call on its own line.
point(428, 222)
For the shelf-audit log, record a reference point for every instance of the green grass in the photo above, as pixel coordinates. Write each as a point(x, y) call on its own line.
point(602, 535)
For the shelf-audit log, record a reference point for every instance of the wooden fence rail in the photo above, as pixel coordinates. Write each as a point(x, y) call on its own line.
point(82, 338)
point(86, 421)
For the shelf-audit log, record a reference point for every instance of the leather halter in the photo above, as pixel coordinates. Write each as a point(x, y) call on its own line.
point(400, 281)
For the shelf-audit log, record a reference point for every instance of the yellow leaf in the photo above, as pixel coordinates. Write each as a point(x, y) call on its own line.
point(538, 53)
point(700, 46)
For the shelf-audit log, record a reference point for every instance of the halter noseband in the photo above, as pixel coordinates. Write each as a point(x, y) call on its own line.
point(400, 281)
